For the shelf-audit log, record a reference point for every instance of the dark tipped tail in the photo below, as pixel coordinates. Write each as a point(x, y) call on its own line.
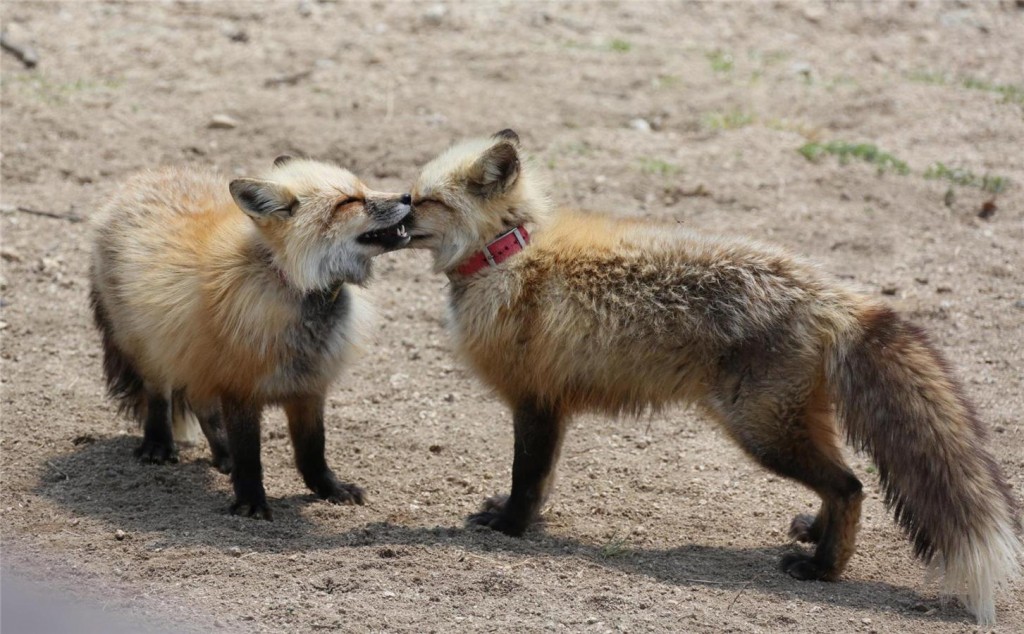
point(124, 383)
point(900, 402)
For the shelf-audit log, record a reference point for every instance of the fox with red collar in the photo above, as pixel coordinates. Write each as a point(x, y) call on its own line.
point(219, 299)
point(596, 314)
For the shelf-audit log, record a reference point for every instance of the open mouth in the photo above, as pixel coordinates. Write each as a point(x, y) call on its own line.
point(389, 237)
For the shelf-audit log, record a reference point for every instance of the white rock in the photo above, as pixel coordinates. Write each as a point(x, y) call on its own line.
point(222, 122)
point(640, 124)
point(435, 14)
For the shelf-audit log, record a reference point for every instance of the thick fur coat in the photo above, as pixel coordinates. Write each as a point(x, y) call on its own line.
point(219, 299)
point(598, 314)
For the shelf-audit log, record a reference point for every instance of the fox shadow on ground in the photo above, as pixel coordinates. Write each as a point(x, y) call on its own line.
point(186, 505)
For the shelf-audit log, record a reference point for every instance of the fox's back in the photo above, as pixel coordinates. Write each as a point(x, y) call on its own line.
point(153, 241)
point(159, 211)
point(639, 312)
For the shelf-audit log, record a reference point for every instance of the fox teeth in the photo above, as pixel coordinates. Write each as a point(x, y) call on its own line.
point(401, 231)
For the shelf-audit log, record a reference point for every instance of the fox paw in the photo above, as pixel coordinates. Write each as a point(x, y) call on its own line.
point(152, 452)
point(327, 487)
point(496, 521)
point(493, 515)
point(343, 493)
point(803, 529)
point(805, 567)
point(495, 503)
point(258, 509)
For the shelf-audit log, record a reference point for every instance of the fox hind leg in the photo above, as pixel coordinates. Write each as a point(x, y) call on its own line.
point(538, 438)
point(211, 421)
point(157, 436)
point(800, 444)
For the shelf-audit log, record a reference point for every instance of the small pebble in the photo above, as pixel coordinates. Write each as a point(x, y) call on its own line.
point(235, 551)
point(237, 35)
point(119, 535)
point(435, 14)
point(641, 125)
point(222, 122)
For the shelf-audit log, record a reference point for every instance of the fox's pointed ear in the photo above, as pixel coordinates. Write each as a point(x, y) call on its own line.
point(281, 160)
point(508, 134)
point(496, 171)
point(262, 200)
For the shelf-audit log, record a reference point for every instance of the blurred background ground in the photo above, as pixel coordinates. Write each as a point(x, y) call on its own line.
point(910, 184)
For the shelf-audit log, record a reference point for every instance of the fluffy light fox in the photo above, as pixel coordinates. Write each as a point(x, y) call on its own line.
point(218, 299)
point(595, 314)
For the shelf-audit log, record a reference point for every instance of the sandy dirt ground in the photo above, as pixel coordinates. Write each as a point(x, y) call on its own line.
point(683, 112)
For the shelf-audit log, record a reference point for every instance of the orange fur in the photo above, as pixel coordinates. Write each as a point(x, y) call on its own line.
point(615, 316)
point(220, 299)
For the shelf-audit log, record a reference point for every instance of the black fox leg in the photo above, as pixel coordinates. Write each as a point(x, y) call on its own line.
point(157, 438)
point(212, 423)
point(306, 427)
point(801, 445)
point(242, 422)
point(538, 439)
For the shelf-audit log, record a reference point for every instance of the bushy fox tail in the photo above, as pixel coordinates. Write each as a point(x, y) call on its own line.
point(184, 424)
point(124, 383)
point(900, 402)
point(126, 386)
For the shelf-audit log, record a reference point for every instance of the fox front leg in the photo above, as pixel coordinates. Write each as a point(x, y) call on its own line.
point(538, 439)
point(242, 422)
point(306, 427)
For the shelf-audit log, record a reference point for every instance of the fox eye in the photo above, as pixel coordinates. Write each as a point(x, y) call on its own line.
point(347, 201)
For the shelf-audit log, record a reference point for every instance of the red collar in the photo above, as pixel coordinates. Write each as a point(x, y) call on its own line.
point(496, 251)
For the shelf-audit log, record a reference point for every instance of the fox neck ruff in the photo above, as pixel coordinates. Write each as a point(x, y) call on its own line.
point(496, 251)
point(330, 294)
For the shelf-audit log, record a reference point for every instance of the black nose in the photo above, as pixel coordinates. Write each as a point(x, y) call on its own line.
point(406, 199)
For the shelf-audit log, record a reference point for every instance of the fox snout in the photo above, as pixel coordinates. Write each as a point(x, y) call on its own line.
point(389, 211)
point(390, 216)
